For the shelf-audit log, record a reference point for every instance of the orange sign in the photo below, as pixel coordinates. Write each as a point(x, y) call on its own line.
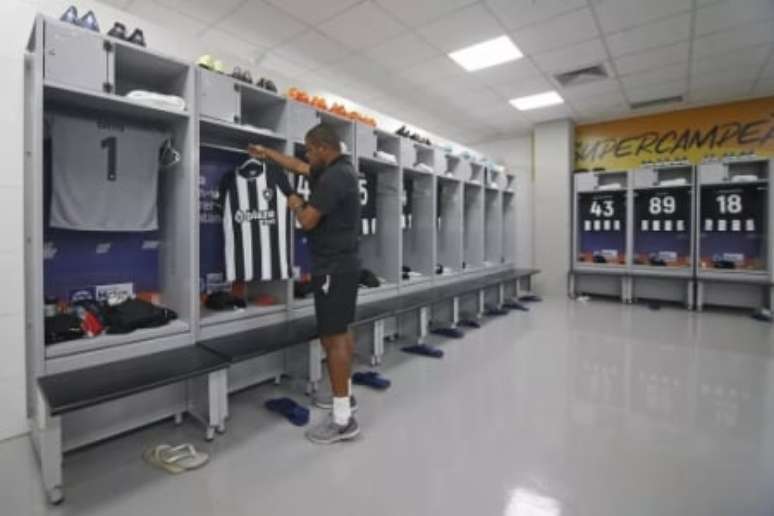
point(692, 134)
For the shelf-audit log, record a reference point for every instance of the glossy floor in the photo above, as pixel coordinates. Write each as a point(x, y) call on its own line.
point(570, 410)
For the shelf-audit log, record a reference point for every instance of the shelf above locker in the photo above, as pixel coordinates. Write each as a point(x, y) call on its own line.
point(379, 161)
point(71, 97)
point(382, 289)
point(86, 345)
point(736, 276)
point(612, 270)
point(657, 187)
point(662, 272)
point(450, 179)
point(211, 317)
point(420, 171)
point(226, 130)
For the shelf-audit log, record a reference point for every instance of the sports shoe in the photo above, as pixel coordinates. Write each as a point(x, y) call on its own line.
point(89, 21)
point(247, 76)
point(137, 37)
point(118, 31)
point(237, 74)
point(325, 401)
point(269, 85)
point(70, 15)
point(328, 432)
point(207, 62)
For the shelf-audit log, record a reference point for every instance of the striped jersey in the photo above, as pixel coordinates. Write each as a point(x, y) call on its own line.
point(256, 224)
point(368, 212)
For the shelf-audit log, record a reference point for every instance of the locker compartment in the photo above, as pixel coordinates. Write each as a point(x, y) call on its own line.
point(449, 206)
point(136, 69)
point(414, 153)
point(418, 228)
point(302, 118)
point(76, 57)
point(219, 97)
point(473, 236)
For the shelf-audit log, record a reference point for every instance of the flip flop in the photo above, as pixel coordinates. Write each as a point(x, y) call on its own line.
point(452, 333)
point(470, 323)
point(371, 379)
point(530, 298)
point(423, 350)
point(289, 409)
point(175, 459)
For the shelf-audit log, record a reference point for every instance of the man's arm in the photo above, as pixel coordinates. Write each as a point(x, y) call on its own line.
point(308, 216)
point(287, 162)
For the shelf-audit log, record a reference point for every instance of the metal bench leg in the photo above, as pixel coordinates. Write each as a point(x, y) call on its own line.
point(315, 365)
point(455, 312)
point(501, 295)
point(208, 402)
point(481, 304)
point(690, 302)
point(424, 324)
point(47, 438)
point(700, 296)
point(378, 343)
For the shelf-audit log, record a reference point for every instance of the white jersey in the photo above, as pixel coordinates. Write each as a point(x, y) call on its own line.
point(256, 225)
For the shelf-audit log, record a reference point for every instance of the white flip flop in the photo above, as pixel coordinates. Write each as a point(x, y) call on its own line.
point(175, 459)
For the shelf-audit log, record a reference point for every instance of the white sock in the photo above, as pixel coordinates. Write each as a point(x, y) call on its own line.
point(342, 412)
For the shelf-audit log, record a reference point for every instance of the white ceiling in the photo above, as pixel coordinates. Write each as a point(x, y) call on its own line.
point(391, 54)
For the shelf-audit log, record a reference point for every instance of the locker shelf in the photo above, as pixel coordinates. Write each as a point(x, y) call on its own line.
point(71, 97)
point(74, 347)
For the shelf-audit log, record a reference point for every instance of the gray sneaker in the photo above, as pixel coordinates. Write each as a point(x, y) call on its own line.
point(325, 401)
point(328, 432)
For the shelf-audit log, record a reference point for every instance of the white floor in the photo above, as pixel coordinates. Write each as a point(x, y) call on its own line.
point(570, 409)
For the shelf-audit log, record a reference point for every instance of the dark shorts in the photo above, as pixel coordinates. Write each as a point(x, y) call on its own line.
point(335, 297)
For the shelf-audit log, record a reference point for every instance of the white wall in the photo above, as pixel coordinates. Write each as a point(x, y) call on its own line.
point(16, 19)
point(554, 144)
point(516, 155)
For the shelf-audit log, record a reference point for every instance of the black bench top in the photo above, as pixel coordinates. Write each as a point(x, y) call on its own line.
point(66, 392)
point(268, 339)
point(262, 341)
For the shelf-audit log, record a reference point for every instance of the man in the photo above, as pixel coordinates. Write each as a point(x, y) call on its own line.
point(331, 218)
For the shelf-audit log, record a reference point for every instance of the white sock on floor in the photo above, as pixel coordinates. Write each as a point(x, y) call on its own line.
point(342, 412)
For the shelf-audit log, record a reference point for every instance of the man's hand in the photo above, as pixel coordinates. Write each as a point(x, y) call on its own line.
point(259, 152)
point(295, 202)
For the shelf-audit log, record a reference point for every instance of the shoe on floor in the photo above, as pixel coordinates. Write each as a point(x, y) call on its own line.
point(328, 432)
point(325, 401)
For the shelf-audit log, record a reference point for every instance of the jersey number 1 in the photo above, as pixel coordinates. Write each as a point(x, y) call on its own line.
point(111, 144)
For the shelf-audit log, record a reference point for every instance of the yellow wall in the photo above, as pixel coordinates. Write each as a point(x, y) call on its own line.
point(692, 134)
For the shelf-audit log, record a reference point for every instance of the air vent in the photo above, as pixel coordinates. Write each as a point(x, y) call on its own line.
point(656, 102)
point(582, 75)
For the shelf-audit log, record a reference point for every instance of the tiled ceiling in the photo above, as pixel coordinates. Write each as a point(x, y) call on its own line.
point(391, 54)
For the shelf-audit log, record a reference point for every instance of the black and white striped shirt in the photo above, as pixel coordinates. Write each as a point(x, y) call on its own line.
point(256, 224)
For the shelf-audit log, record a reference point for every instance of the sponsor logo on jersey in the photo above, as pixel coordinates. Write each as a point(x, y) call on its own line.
point(263, 216)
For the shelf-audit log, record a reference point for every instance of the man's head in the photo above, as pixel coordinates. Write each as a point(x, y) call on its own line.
point(322, 146)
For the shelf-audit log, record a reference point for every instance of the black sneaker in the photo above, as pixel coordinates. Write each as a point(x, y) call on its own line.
point(247, 77)
point(269, 85)
point(237, 74)
point(70, 15)
point(137, 37)
point(89, 22)
point(118, 31)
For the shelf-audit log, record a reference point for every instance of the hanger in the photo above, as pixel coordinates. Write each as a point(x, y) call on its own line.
point(252, 167)
point(168, 155)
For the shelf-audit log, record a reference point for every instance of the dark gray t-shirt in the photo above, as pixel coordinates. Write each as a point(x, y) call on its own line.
point(335, 240)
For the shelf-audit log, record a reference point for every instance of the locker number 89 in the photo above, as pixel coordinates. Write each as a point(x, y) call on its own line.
point(666, 205)
point(602, 209)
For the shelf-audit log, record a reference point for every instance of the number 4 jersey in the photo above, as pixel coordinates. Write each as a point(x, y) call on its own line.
point(104, 172)
point(256, 224)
